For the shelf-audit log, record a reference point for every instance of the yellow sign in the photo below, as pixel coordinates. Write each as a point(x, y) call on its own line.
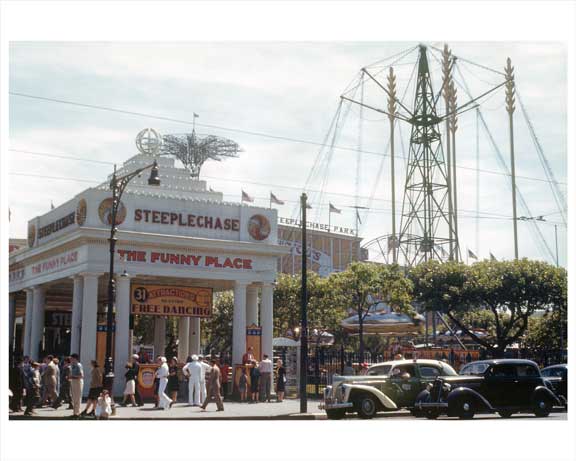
point(171, 300)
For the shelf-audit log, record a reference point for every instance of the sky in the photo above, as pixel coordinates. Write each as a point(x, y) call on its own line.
point(290, 90)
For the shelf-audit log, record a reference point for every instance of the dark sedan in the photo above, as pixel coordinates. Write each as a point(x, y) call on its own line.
point(505, 386)
point(557, 375)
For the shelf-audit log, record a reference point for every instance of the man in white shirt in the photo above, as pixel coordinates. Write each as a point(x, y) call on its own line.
point(265, 368)
point(193, 370)
point(162, 374)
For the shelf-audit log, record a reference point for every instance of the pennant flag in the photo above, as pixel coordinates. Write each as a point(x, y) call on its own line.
point(358, 216)
point(276, 200)
point(472, 255)
point(51, 205)
point(333, 209)
point(211, 190)
point(246, 197)
point(492, 257)
point(196, 115)
point(308, 206)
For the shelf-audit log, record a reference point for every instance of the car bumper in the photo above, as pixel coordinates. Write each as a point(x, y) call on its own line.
point(334, 405)
point(427, 405)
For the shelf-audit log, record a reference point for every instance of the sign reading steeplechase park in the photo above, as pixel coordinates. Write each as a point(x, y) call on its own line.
point(317, 226)
point(171, 300)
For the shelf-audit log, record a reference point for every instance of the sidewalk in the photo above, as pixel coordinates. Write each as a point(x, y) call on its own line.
point(289, 409)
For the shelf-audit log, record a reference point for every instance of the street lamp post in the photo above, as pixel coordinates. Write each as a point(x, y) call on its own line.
point(118, 185)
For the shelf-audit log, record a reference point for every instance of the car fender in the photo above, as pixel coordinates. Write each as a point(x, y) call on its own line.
point(455, 394)
point(383, 398)
point(540, 391)
point(423, 396)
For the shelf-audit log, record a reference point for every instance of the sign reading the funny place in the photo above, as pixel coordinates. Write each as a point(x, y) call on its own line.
point(171, 300)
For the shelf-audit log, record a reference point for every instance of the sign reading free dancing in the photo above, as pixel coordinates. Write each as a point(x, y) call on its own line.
point(171, 300)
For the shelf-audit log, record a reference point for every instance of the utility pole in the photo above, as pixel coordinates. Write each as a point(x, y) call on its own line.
point(303, 314)
point(556, 239)
point(392, 116)
point(510, 109)
point(446, 71)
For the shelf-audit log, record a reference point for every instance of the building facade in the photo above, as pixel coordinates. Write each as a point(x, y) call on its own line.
point(177, 244)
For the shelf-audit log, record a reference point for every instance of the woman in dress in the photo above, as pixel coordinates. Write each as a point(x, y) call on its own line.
point(173, 384)
point(104, 405)
point(96, 383)
point(254, 381)
point(130, 388)
point(280, 380)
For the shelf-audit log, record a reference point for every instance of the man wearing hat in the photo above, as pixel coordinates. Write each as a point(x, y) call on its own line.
point(136, 369)
point(193, 370)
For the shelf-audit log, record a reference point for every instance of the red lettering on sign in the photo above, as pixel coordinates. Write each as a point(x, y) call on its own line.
point(247, 264)
point(228, 263)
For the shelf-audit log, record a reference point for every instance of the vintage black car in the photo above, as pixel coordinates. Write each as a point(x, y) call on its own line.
point(505, 386)
point(557, 375)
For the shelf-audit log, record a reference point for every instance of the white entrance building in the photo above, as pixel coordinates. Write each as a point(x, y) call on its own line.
point(177, 234)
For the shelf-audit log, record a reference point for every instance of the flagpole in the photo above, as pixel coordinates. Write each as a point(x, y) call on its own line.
point(329, 219)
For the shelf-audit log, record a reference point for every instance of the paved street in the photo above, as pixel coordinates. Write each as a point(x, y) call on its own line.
point(287, 410)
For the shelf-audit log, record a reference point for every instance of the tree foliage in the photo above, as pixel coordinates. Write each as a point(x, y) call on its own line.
point(510, 290)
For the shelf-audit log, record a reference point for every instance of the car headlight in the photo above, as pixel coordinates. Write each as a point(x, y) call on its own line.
point(429, 387)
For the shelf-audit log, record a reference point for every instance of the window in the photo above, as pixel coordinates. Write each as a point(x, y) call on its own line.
point(379, 370)
point(477, 369)
point(504, 371)
point(410, 369)
point(429, 371)
point(553, 372)
point(526, 370)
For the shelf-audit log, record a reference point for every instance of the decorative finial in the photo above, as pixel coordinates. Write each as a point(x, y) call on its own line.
point(391, 94)
point(510, 87)
point(446, 71)
point(148, 141)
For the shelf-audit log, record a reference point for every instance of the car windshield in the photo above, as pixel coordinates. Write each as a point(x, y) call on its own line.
point(379, 370)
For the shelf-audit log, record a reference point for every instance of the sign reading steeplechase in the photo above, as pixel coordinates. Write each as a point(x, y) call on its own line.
point(171, 300)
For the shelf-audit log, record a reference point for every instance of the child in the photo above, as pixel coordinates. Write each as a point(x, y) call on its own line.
point(243, 385)
point(103, 405)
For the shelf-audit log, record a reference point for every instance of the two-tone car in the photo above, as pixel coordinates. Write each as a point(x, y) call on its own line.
point(386, 386)
point(504, 386)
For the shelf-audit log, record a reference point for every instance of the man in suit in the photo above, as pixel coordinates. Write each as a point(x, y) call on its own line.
point(214, 383)
point(136, 369)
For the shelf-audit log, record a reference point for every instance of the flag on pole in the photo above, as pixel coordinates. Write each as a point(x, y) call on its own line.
point(246, 197)
point(333, 209)
point(492, 257)
point(472, 255)
point(276, 200)
point(196, 115)
point(51, 205)
point(358, 216)
point(308, 206)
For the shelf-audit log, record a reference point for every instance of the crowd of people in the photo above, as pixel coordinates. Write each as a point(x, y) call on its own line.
point(202, 380)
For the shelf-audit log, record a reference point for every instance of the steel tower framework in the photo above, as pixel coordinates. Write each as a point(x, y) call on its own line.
point(425, 224)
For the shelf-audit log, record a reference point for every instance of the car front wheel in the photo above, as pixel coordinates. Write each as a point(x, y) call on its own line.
point(542, 408)
point(465, 409)
point(366, 406)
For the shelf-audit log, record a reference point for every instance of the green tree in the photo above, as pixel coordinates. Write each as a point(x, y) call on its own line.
point(549, 332)
point(361, 283)
point(512, 291)
point(217, 329)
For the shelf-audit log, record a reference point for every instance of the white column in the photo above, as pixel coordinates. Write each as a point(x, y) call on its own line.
point(194, 338)
point(37, 321)
point(252, 305)
point(159, 336)
point(122, 346)
point(239, 322)
point(76, 327)
point(267, 316)
point(28, 320)
point(11, 319)
point(89, 323)
point(183, 337)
